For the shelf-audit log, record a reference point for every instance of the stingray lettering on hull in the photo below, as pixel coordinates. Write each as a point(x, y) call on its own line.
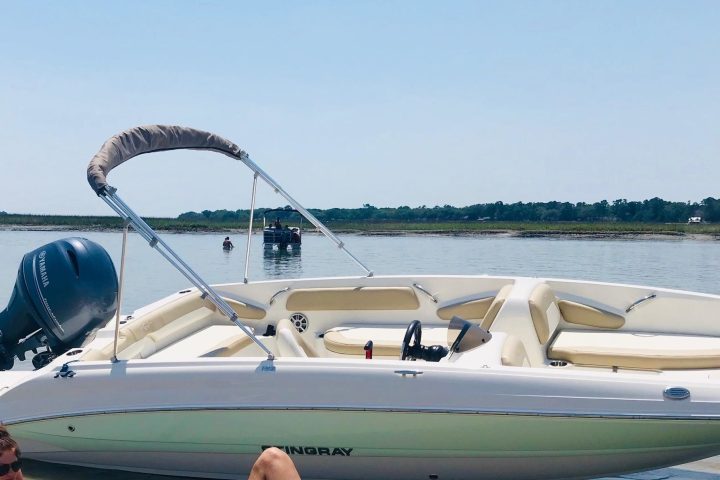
point(299, 450)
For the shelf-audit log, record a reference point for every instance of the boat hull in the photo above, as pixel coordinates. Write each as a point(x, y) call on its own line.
point(337, 444)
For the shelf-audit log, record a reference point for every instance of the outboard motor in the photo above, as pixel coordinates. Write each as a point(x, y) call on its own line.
point(64, 291)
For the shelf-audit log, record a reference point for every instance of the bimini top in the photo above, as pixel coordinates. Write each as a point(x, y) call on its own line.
point(156, 138)
point(153, 138)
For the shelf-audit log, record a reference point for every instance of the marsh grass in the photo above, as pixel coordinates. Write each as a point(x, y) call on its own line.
point(51, 222)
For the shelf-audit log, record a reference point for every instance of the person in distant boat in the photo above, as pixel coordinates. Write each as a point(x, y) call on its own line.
point(277, 223)
point(274, 464)
point(10, 463)
point(227, 244)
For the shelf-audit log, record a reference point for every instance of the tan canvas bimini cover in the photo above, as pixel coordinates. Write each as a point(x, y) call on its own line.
point(153, 138)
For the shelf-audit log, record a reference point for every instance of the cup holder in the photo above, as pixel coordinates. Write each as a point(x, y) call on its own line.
point(558, 363)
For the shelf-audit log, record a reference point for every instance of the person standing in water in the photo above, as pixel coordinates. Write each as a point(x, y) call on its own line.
point(227, 244)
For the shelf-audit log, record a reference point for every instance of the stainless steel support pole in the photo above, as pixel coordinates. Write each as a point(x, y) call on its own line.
point(250, 225)
point(120, 291)
point(116, 203)
point(318, 224)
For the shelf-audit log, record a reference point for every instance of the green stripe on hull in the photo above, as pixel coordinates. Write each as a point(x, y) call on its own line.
point(367, 433)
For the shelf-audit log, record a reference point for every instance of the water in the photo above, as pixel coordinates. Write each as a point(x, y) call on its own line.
point(674, 263)
point(684, 264)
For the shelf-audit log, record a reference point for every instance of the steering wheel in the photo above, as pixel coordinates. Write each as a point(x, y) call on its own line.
point(414, 331)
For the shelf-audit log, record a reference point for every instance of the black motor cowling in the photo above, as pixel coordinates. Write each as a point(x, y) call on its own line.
point(64, 291)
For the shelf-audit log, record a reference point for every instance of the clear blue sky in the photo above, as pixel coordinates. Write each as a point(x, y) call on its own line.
point(344, 103)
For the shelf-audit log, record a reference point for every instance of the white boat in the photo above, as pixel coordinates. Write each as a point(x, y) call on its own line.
point(467, 377)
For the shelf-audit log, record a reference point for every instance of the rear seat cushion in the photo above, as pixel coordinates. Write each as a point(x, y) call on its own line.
point(386, 341)
point(636, 350)
point(165, 314)
point(141, 334)
point(230, 346)
point(171, 333)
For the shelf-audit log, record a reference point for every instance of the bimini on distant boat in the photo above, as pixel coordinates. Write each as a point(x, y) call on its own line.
point(275, 234)
point(403, 377)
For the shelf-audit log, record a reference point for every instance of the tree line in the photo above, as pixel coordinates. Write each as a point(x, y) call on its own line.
point(654, 210)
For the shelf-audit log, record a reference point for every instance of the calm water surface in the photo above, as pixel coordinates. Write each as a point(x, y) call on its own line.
point(683, 264)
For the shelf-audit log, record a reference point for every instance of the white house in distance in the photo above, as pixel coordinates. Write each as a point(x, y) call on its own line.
point(695, 220)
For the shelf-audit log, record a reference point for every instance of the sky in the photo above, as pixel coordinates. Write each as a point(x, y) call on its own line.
point(347, 103)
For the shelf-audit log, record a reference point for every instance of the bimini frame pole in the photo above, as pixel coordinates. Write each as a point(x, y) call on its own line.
point(155, 138)
point(250, 225)
point(115, 202)
point(120, 291)
point(318, 224)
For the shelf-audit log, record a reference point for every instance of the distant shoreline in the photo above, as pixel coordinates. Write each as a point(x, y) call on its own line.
point(368, 230)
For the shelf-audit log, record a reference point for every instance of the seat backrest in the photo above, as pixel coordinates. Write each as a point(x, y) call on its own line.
point(544, 312)
point(484, 310)
point(467, 310)
point(353, 298)
point(589, 316)
point(495, 307)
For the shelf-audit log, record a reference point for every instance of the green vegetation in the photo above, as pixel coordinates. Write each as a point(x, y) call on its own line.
point(527, 229)
point(377, 226)
point(654, 216)
point(60, 221)
point(115, 223)
point(655, 210)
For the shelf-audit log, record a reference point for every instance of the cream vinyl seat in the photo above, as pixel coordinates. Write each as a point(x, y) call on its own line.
point(351, 340)
point(483, 310)
point(604, 344)
point(636, 350)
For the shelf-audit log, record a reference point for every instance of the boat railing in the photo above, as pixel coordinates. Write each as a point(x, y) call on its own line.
point(640, 301)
